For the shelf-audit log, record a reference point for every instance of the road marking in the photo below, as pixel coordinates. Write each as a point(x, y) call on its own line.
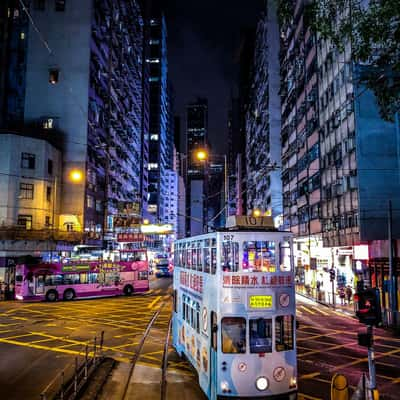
point(308, 397)
point(154, 302)
point(21, 318)
point(306, 309)
point(310, 376)
point(39, 347)
point(319, 310)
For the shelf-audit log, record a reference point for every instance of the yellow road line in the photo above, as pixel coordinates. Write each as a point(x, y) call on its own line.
point(39, 347)
point(319, 310)
point(306, 309)
point(310, 376)
point(307, 397)
point(18, 336)
point(154, 302)
point(21, 318)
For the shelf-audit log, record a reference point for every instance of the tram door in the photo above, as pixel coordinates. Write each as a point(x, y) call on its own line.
point(213, 356)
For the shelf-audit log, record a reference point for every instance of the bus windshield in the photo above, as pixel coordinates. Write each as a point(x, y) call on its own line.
point(260, 335)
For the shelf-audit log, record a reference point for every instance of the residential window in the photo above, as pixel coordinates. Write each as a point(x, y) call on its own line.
point(89, 201)
point(50, 166)
point(25, 221)
point(60, 5)
point(48, 193)
point(48, 123)
point(39, 5)
point(26, 191)
point(47, 221)
point(27, 160)
point(99, 206)
point(54, 74)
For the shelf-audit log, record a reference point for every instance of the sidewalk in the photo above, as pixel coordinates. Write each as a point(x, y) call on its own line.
point(345, 308)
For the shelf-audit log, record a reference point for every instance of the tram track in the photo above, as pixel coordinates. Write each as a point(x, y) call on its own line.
point(138, 353)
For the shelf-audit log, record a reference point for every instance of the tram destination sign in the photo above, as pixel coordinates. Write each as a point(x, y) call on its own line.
point(258, 280)
point(260, 301)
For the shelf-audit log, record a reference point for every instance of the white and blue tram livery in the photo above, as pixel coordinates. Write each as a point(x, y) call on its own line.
point(234, 313)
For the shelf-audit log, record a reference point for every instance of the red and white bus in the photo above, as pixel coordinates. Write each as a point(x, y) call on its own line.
point(81, 279)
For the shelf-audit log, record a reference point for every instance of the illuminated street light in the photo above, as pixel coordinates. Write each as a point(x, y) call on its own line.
point(75, 176)
point(146, 221)
point(201, 155)
point(256, 212)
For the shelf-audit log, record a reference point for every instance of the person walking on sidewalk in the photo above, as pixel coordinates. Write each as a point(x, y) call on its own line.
point(342, 296)
point(349, 294)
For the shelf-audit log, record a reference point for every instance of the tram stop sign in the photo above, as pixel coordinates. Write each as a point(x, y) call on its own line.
point(339, 388)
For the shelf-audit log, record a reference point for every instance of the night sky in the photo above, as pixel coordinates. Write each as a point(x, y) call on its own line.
point(202, 40)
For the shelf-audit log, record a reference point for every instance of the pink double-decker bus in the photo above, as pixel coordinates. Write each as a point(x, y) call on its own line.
point(81, 279)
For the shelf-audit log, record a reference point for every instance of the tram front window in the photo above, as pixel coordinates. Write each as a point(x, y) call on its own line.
point(260, 335)
point(233, 335)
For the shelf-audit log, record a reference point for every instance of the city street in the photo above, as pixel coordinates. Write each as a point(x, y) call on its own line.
point(38, 340)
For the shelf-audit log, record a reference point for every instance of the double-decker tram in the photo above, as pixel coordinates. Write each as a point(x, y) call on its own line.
point(234, 311)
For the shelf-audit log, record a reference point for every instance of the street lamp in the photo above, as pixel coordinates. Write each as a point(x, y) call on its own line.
point(202, 155)
point(75, 175)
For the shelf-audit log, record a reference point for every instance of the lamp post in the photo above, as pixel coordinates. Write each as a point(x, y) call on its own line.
point(202, 155)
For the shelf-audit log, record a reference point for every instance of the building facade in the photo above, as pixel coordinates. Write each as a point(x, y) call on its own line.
point(263, 123)
point(159, 116)
point(196, 138)
point(90, 87)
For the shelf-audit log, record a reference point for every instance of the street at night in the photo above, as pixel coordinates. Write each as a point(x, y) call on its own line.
point(39, 340)
point(199, 200)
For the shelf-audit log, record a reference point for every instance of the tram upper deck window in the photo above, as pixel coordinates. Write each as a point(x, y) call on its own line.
point(213, 259)
point(284, 256)
point(206, 258)
point(259, 256)
point(230, 256)
point(260, 335)
point(284, 332)
point(233, 335)
point(188, 256)
point(199, 256)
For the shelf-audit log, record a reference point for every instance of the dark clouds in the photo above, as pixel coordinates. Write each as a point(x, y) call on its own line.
point(202, 38)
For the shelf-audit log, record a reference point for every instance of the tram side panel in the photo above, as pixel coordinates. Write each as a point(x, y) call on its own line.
point(195, 297)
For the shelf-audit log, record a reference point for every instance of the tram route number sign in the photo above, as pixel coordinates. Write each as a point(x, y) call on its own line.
point(260, 301)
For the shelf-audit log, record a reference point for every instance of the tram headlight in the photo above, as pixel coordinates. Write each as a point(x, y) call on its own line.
point(293, 382)
point(225, 386)
point(262, 383)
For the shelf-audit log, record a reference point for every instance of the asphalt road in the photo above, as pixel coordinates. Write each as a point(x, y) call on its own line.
point(39, 340)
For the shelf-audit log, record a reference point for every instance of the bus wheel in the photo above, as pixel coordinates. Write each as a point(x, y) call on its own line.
point(69, 294)
point(128, 290)
point(51, 295)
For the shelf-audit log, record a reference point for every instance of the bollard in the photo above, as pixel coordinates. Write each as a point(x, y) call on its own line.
point(339, 388)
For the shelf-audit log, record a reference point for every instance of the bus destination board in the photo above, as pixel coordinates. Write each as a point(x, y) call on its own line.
point(260, 301)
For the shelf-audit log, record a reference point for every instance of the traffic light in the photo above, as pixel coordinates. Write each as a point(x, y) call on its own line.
point(332, 274)
point(368, 306)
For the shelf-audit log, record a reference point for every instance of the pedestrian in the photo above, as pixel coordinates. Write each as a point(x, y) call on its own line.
point(342, 296)
point(349, 294)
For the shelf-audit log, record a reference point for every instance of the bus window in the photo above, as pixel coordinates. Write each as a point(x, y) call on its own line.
point(83, 277)
point(284, 332)
point(70, 279)
point(213, 260)
point(143, 275)
point(197, 317)
point(206, 259)
point(93, 278)
point(233, 335)
point(175, 300)
point(260, 335)
point(214, 330)
point(284, 256)
point(52, 280)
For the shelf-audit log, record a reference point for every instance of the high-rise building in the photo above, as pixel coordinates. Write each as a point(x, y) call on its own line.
point(263, 123)
point(196, 138)
point(159, 115)
point(85, 93)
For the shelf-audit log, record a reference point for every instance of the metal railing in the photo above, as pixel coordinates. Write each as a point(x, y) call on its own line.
point(69, 382)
